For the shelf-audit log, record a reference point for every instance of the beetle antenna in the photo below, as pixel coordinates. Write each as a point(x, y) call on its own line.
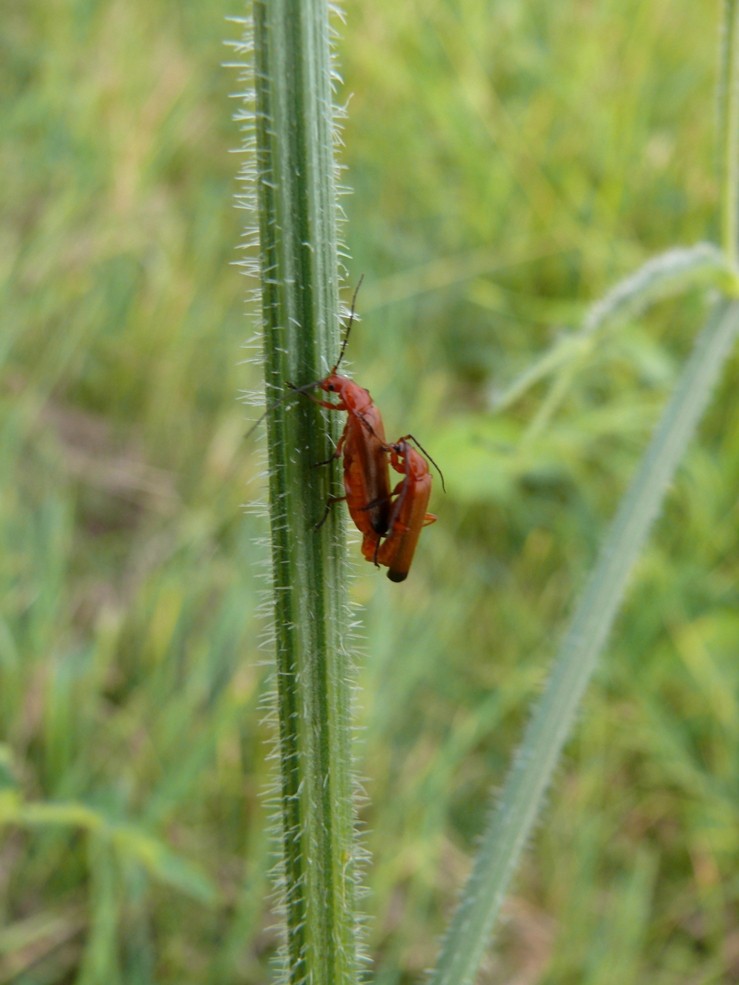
point(352, 312)
point(420, 447)
point(310, 386)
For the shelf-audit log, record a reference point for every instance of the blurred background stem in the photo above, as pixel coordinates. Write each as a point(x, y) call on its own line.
point(555, 714)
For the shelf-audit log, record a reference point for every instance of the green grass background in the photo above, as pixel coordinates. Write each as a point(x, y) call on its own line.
point(508, 162)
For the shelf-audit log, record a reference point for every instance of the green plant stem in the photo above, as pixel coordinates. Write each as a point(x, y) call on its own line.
point(729, 130)
point(512, 822)
point(296, 200)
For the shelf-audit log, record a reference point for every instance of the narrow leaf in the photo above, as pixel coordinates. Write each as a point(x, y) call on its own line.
point(513, 819)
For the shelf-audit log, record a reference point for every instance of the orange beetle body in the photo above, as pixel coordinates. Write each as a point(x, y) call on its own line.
point(365, 451)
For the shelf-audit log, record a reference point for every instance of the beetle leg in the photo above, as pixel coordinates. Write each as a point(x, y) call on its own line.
point(329, 503)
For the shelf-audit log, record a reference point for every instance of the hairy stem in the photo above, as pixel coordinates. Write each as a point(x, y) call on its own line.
point(297, 210)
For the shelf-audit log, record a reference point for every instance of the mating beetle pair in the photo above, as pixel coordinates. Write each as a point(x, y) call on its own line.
point(390, 520)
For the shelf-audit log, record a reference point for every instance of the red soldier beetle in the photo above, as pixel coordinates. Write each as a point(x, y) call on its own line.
point(363, 445)
point(408, 514)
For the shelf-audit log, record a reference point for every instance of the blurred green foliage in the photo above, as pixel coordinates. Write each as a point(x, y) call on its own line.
point(508, 163)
